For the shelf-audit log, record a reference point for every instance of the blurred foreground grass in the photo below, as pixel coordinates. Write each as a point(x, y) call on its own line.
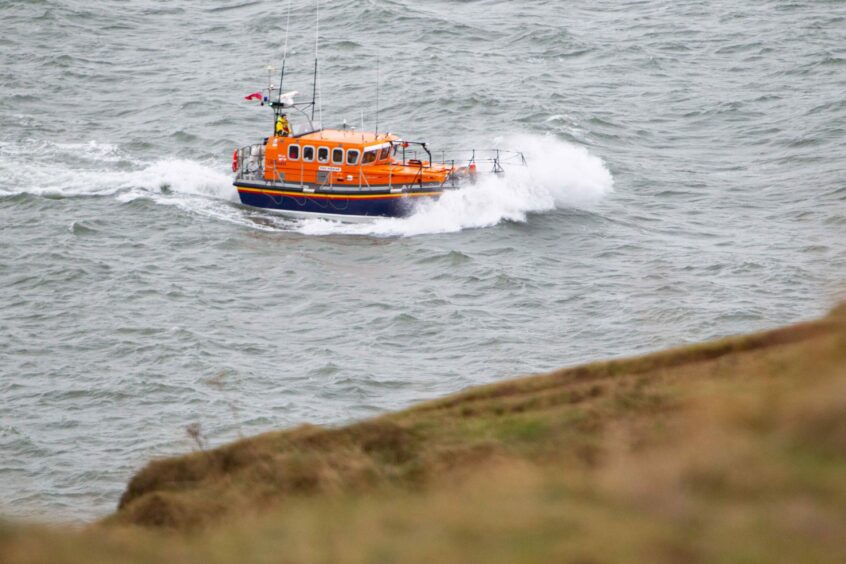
point(733, 450)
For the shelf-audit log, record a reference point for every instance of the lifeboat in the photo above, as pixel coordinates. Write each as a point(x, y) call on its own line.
point(346, 174)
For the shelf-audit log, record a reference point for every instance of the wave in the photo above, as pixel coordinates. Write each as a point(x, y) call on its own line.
point(181, 176)
point(559, 174)
point(102, 169)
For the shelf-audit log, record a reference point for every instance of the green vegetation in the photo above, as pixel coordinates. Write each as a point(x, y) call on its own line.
point(733, 451)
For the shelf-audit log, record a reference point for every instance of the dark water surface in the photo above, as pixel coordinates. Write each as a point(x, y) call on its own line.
point(687, 181)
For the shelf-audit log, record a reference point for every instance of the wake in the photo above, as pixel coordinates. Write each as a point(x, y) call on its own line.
point(558, 175)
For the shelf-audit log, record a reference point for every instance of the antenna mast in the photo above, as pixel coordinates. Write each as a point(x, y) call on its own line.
point(316, 37)
point(377, 96)
point(285, 50)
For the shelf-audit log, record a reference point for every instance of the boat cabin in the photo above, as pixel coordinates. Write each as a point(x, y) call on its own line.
point(345, 158)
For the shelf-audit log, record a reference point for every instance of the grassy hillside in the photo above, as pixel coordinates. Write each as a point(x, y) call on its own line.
point(733, 450)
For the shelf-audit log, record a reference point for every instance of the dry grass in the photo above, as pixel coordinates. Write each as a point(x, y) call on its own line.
point(733, 450)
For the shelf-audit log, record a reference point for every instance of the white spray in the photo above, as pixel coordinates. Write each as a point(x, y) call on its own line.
point(558, 174)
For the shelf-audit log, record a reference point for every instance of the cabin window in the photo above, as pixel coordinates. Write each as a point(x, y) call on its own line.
point(293, 152)
point(352, 156)
point(323, 154)
point(369, 157)
point(308, 154)
point(385, 152)
point(337, 156)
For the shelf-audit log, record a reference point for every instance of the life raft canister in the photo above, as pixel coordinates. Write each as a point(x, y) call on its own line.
point(235, 160)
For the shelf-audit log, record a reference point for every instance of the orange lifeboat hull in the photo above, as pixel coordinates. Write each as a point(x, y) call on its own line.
point(338, 174)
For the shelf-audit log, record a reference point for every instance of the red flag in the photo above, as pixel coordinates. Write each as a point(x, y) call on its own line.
point(253, 96)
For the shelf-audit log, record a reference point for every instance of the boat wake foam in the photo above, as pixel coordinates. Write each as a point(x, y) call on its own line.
point(101, 169)
point(559, 175)
point(178, 176)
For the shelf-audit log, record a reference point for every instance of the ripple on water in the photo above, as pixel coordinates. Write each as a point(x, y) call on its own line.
point(686, 183)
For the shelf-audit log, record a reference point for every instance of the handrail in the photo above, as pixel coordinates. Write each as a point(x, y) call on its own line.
point(497, 156)
point(251, 163)
point(501, 155)
point(245, 160)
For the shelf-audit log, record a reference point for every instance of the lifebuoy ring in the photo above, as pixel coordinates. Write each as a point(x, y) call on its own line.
point(235, 160)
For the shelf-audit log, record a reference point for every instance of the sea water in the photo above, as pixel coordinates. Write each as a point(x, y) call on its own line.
point(686, 181)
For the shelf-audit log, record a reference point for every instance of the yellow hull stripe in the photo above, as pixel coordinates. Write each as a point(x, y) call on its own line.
point(335, 196)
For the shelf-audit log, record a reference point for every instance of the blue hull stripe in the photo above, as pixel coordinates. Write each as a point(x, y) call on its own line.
point(385, 205)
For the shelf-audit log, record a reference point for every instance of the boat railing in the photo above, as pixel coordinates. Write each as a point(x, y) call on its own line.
point(250, 165)
point(496, 158)
point(250, 162)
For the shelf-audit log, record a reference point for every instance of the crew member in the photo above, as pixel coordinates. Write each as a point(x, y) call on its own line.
point(283, 128)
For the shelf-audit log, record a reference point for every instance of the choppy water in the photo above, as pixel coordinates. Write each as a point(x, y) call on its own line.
point(687, 181)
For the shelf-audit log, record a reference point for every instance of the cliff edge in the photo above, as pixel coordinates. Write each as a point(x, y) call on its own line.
point(730, 450)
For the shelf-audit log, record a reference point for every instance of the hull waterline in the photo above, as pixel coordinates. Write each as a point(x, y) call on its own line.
point(355, 207)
